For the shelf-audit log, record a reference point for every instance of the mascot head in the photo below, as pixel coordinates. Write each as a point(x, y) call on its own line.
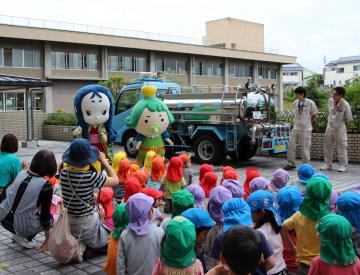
point(150, 116)
point(93, 105)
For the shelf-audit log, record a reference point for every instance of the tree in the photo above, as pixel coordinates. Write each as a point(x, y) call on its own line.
point(115, 84)
point(313, 91)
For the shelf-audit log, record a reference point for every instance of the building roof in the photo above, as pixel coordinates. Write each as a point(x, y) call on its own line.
point(344, 60)
point(11, 82)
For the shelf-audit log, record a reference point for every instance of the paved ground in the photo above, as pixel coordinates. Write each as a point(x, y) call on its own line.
point(16, 260)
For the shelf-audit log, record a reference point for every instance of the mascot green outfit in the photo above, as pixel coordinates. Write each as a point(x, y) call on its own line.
point(150, 118)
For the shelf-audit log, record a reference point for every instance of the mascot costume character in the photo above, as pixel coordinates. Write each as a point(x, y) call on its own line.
point(94, 111)
point(150, 118)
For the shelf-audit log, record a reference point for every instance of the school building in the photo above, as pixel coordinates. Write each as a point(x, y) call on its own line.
point(72, 55)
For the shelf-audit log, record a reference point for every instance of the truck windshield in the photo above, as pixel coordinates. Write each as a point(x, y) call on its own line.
point(126, 101)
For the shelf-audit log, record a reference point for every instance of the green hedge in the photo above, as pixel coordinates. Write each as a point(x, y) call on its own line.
point(61, 118)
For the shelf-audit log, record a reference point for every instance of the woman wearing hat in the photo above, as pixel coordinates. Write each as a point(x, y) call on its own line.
point(78, 183)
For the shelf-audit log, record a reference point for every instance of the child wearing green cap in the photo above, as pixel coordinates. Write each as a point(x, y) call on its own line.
point(337, 255)
point(314, 207)
point(121, 220)
point(178, 255)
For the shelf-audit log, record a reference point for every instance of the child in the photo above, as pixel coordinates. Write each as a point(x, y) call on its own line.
point(203, 223)
point(131, 187)
point(305, 173)
point(188, 174)
point(208, 182)
point(105, 198)
point(313, 208)
point(228, 173)
point(121, 220)
point(251, 173)
point(178, 254)
point(148, 161)
point(142, 176)
point(237, 212)
point(55, 208)
point(123, 173)
point(240, 252)
point(119, 156)
point(198, 193)
point(140, 243)
point(268, 221)
point(333, 198)
point(134, 168)
point(204, 168)
point(337, 255)
point(234, 187)
point(218, 196)
point(279, 180)
point(156, 218)
point(182, 200)
point(172, 182)
point(157, 172)
point(259, 183)
point(289, 200)
point(348, 205)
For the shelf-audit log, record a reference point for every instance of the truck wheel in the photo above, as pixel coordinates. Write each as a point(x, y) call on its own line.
point(246, 150)
point(129, 143)
point(209, 149)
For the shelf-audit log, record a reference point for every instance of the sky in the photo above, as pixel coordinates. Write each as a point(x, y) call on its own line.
point(311, 30)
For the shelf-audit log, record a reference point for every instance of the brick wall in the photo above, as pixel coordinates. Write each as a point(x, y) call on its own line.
point(15, 123)
point(58, 132)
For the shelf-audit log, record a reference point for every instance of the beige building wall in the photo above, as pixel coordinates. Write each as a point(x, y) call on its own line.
point(235, 34)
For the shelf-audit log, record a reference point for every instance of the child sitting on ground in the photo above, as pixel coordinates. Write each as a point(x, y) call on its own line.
point(172, 182)
point(188, 174)
point(234, 187)
point(204, 168)
point(259, 183)
point(305, 173)
point(123, 173)
point(142, 176)
point(313, 208)
point(218, 196)
point(157, 172)
point(140, 242)
point(279, 180)
point(157, 217)
point(267, 220)
point(289, 200)
point(121, 220)
point(208, 183)
point(251, 173)
point(198, 193)
point(148, 161)
point(105, 198)
point(131, 187)
point(337, 255)
point(240, 252)
point(228, 173)
point(348, 205)
point(178, 254)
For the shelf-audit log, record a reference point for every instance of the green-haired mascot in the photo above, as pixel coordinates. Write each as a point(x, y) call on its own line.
point(150, 118)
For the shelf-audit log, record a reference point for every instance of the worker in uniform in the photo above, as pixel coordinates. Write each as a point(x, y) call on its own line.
point(336, 134)
point(305, 111)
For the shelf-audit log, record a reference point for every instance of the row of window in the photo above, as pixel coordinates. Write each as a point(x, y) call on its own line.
point(74, 61)
point(208, 69)
point(20, 58)
point(240, 70)
point(267, 73)
point(292, 73)
point(356, 68)
point(16, 101)
point(171, 66)
point(126, 64)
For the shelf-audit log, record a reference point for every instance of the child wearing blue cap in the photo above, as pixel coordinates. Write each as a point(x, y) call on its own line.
point(267, 220)
point(348, 205)
point(305, 173)
point(203, 223)
point(237, 212)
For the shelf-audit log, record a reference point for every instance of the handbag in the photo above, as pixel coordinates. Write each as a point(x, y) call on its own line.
point(63, 246)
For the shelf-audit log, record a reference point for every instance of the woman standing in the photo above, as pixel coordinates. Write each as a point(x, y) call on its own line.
point(26, 209)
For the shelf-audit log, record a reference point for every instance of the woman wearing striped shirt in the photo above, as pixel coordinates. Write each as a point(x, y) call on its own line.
point(78, 183)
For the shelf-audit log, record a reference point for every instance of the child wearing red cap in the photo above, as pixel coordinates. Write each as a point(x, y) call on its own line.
point(156, 218)
point(131, 186)
point(229, 173)
point(208, 183)
point(204, 168)
point(188, 174)
point(105, 198)
point(157, 172)
point(172, 182)
point(251, 173)
point(142, 176)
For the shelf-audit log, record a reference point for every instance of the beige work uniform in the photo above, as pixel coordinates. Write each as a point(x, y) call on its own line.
point(301, 133)
point(336, 134)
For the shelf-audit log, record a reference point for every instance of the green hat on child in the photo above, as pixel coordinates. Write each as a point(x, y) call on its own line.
point(121, 220)
point(316, 199)
point(336, 247)
point(178, 249)
point(181, 201)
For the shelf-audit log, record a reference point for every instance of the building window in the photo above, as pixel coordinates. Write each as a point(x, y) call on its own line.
point(20, 58)
point(91, 62)
point(16, 101)
point(140, 64)
point(8, 57)
point(236, 70)
point(2, 102)
point(339, 70)
point(9, 101)
point(113, 63)
point(267, 73)
point(356, 68)
point(74, 61)
point(1, 57)
point(20, 102)
point(38, 101)
point(171, 66)
point(208, 69)
point(126, 64)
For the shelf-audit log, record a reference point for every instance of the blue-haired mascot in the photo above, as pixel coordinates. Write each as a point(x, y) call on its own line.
point(94, 109)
